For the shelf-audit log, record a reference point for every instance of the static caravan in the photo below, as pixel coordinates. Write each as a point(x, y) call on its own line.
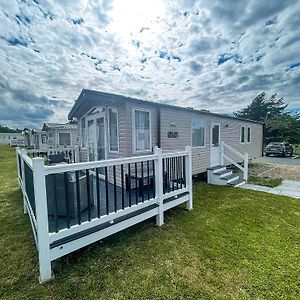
point(114, 126)
point(60, 135)
point(11, 138)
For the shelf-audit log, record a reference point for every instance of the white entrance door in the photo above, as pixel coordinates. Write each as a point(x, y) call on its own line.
point(215, 150)
point(96, 136)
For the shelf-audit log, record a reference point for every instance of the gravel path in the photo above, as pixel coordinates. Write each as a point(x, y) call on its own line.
point(275, 171)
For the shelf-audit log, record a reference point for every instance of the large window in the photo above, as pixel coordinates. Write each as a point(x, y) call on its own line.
point(44, 138)
point(248, 134)
point(113, 129)
point(197, 132)
point(51, 139)
point(83, 132)
point(142, 130)
point(243, 134)
point(64, 138)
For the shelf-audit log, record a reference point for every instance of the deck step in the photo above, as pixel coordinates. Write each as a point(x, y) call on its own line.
point(223, 172)
point(237, 182)
point(216, 167)
point(231, 176)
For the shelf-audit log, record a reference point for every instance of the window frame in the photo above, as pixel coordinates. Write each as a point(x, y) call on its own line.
point(204, 134)
point(83, 120)
point(44, 138)
point(118, 137)
point(249, 129)
point(67, 132)
point(241, 129)
point(134, 131)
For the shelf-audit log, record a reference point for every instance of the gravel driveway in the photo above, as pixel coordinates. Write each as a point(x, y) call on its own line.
point(288, 161)
point(289, 172)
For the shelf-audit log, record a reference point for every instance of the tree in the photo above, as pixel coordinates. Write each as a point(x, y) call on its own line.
point(261, 108)
point(284, 128)
point(5, 129)
point(280, 126)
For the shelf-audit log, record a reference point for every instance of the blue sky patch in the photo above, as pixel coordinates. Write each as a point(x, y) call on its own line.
point(77, 21)
point(136, 43)
point(17, 42)
point(295, 65)
point(225, 57)
point(271, 21)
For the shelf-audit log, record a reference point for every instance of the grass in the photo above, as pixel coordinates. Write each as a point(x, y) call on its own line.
point(235, 244)
point(265, 181)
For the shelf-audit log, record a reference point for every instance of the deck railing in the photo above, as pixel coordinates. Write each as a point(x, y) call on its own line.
point(236, 158)
point(73, 205)
point(70, 153)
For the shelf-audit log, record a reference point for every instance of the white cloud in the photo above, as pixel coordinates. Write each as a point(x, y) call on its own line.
point(203, 53)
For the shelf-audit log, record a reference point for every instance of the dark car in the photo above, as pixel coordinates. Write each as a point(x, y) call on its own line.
point(282, 149)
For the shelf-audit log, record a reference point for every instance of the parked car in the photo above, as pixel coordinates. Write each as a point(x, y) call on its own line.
point(276, 148)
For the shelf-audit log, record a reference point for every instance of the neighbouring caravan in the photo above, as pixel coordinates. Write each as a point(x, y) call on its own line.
point(58, 135)
point(113, 126)
point(13, 139)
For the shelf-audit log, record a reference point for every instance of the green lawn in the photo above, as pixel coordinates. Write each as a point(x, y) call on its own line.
point(235, 244)
point(265, 181)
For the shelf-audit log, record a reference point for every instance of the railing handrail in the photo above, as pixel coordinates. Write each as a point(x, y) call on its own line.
point(25, 157)
point(244, 157)
point(174, 154)
point(233, 150)
point(51, 149)
point(59, 168)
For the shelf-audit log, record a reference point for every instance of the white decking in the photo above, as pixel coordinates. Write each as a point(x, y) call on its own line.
point(110, 205)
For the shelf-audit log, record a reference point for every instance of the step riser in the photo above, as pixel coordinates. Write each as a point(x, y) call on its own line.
point(240, 184)
point(233, 179)
point(218, 170)
point(215, 179)
point(224, 175)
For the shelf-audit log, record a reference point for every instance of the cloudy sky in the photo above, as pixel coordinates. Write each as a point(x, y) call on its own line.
point(215, 55)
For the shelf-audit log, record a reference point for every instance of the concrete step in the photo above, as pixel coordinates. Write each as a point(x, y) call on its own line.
point(216, 167)
point(223, 173)
point(230, 177)
point(237, 182)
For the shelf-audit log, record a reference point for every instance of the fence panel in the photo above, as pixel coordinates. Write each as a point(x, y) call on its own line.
point(80, 203)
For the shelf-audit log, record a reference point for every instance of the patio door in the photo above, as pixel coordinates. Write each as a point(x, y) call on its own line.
point(215, 148)
point(96, 136)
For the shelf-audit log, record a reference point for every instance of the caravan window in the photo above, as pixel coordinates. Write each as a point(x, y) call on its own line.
point(113, 129)
point(248, 134)
point(197, 132)
point(242, 134)
point(64, 138)
point(142, 134)
point(44, 138)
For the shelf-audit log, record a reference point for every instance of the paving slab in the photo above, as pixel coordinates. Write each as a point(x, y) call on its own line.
point(289, 188)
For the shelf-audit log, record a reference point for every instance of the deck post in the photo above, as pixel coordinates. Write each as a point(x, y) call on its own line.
point(159, 186)
point(42, 219)
point(189, 178)
point(246, 161)
point(23, 152)
point(17, 158)
point(76, 152)
point(222, 153)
